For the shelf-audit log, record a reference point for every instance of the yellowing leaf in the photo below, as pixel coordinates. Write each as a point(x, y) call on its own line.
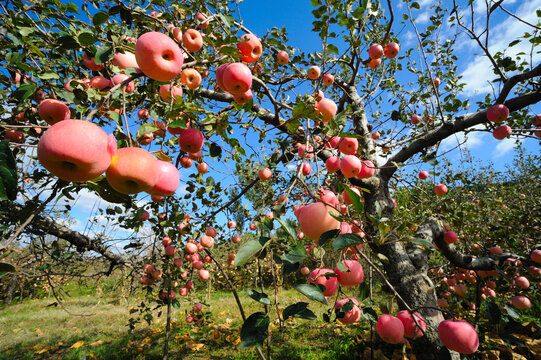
point(77, 345)
point(97, 343)
point(147, 340)
point(15, 331)
point(38, 332)
point(44, 350)
point(236, 342)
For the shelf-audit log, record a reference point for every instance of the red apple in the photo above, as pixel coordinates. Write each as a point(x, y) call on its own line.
point(204, 274)
point(282, 57)
point(348, 146)
point(350, 166)
point(186, 162)
point(91, 63)
point(250, 48)
point(202, 20)
point(459, 336)
point(15, 136)
point(132, 170)
point(119, 78)
point(191, 78)
point(191, 140)
point(390, 329)
point(353, 275)
point(170, 250)
point(368, 169)
point(244, 98)
point(158, 56)
point(76, 150)
point(350, 316)
point(328, 79)
point(450, 237)
point(376, 135)
point(202, 168)
point(125, 60)
point(410, 328)
point(440, 189)
point(318, 277)
point(375, 51)
point(314, 72)
point(237, 78)
point(100, 83)
point(332, 164)
point(265, 174)
point(502, 132)
point(207, 241)
point(497, 113)
point(391, 50)
point(415, 119)
point(145, 139)
point(327, 108)
point(168, 179)
point(374, 63)
point(53, 111)
point(314, 220)
point(231, 224)
point(423, 175)
point(192, 40)
point(165, 93)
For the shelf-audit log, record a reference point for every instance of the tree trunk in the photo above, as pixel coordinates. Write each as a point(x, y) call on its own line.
point(11, 289)
point(407, 272)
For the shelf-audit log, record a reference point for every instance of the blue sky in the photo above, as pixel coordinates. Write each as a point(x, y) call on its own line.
point(260, 16)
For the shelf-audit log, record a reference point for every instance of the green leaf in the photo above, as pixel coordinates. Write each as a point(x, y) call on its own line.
point(104, 54)
point(24, 91)
point(8, 173)
point(296, 254)
point(358, 12)
point(250, 249)
point(356, 200)
point(311, 291)
point(254, 330)
point(287, 227)
point(175, 304)
point(298, 310)
point(423, 242)
point(328, 235)
point(145, 129)
point(493, 312)
point(86, 38)
point(68, 42)
point(347, 240)
point(364, 290)
point(106, 192)
point(495, 6)
point(99, 18)
point(49, 75)
point(228, 20)
point(333, 48)
point(415, 5)
point(215, 150)
point(259, 297)
point(512, 311)
point(5, 267)
point(370, 314)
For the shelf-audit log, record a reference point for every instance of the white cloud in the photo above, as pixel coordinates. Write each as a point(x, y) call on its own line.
point(504, 146)
point(471, 140)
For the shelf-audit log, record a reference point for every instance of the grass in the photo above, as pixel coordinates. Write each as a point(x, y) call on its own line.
point(96, 328)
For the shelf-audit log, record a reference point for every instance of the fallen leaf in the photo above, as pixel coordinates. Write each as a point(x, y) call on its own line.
point(236, 342)
point(38, 332)
point(44, 350)
point(147, 340)
point(77, 345)
point(97, 343)
point(15, 331)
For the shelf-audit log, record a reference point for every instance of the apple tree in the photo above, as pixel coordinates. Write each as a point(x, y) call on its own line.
point(112, 98)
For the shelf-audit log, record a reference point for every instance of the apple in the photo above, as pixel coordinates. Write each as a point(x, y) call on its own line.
point(375, 51)
point(165, 93)
point(100, 83)
point(119, 78)
point(318, 277)
point(125, 60)
point(157, 274)
point(411, 329)
point(14, 136)
point(192, 40)
point(329, 197)
point(443, 303)
point(314, 72)
point(265, 174)
point(376, 135)
point(177, 33)
point(440, 189)
point(191, 248)
point(143, 114)
point(191, 140)
point(348, 146)
point(318, 96)
point(390, 329)
point(250, 48)
point(415, 119)
point(204, 274)
point(350, 166)
point(305, 271)
point(436, 81)
point(353, 275)
point(191, 78)
point(170, 250)
point(211, 232)
point(502, 132)
point(220, 76)
point(168, 179)
point(536, 256)
point(145, 216)
point(328, 79)
point(368, 169)
point(306, 168)
point(496, 250)
point(202, 20)
point(15, 78)
point(374, 63)
point(459, 336)
point(423, 175)
point(327, 108)
point(522, 282)
point(231, 224)
point(244, 97)
point(450, 237)
point(207, 241)
point(521, 302)
point(346, 197)
point(91, 63)
point(497, 113)
point(391, 50)
point(186, 162)
point(301, 150)
point(76, 150)
point(235, 239)
point(460, 290)
point(39, 95)
point(237, 78)
point(53, 111)
point(314, 220)
point(350, 316)
point(253, 226)
point(282, 57)
point(332, 164)
point(202, 168)
point(132, 170)
point(158, 56)
point(146, 139)
point(536, 120)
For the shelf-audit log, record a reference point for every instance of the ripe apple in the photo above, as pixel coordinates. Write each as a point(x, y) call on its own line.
point(167, 180)
point(143, 114)
point(521, 302)
point(207, 241)
point(368, 169)
point(375, 51)
point(536, 256)
point(348, 146)
point(119, 78)
point(146, 139)
point(314, 220)
point(282, 57)
point(211, 232)
point(165, 93)
point(522, 282)
point(410, 328)
point(91, 63)
point(376, 135)
point(374, 63)
point(306, 168)
point(346, 197)
point(53, 111)
point(231, 224)
point(459, 336)
point(220, 76)
point(186, 162)
point(328, 79)
point(237, 78)
point(497, 113)
point(100, 83)
point(202, 168)
point(125, 60)
point(350, 316)
point(158, 56)
point(76, 150)
point(327, 108)
point(391, 50)
point(265, 174)
point(502, 132)
point(191, 78)
point(314, 72)
point(318, 277)
point(450, 237)
point(253, 226)
point(436, 81)
point(536, 120)
point(332, 164)
point(132, 170)
point(353, 275)
point(423, 175)
point(235, 239)
point(244, 97)
point(170, 250)
point(415, 119)
point(440, 189)
point(204, 274)
point(202, 20)
point(15, 136)
point(350, 166)
point(191, 140)
point(305, 271)
point(390, 329)
point(250, 48)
